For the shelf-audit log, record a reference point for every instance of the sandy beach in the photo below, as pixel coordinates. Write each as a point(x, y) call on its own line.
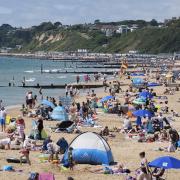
point(124, 150)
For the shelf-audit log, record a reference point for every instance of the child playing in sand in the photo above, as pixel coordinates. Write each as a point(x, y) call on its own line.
point(25, 153)
point(20, 124)
point(53, 148)
point(70, 158)
point(5, 143)
point(24, 110)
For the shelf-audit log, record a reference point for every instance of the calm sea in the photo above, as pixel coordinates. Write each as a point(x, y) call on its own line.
point(15, 69)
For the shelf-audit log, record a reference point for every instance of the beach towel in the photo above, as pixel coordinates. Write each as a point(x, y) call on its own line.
point(46, 176)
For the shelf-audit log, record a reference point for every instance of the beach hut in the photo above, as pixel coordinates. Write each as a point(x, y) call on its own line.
point(59, 114)
point(90, 148)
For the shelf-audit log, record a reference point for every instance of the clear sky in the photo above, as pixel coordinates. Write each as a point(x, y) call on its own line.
point(32, 12)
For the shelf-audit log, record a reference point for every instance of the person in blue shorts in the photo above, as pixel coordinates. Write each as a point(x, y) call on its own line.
point(3, 119)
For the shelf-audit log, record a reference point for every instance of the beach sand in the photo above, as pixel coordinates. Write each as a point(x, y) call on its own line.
point(124, 150)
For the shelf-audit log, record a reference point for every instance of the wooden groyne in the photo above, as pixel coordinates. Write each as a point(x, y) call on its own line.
point(78, 72)
point(53, 86)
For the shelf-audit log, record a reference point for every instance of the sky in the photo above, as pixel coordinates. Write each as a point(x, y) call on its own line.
point(26, 13)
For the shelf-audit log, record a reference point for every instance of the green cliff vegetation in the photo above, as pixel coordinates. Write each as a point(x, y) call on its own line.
point(148, 38)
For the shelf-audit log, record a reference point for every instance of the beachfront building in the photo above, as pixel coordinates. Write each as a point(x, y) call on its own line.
point(109, 30)
point(5, 49)
point(122, 29)
point(134, 27)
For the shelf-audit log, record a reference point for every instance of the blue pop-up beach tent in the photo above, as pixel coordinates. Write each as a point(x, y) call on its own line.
point(137, 81)
point(90, 148)
point(59, 114)
point(47, 103)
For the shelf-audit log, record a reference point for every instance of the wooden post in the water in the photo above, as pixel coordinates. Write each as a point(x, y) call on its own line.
point(41, 68)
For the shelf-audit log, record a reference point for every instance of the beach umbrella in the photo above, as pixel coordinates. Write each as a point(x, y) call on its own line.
point(142, 113)
point(106, 98)
point(47, 103)
point(166, 162)
point(139, 101)
point(152, 84)
point(146, 94)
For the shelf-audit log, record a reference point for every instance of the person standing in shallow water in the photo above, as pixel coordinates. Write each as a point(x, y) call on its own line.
point(77, 79)
point(40, 93)
point(1, 104)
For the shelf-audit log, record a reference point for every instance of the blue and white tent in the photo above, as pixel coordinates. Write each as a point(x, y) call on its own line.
point(90, 148)
point(59, 113)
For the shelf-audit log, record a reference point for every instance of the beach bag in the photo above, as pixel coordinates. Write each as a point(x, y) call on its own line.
point(107, 170)
point(33, 176)
point(15, 160)
point(7, 168)
point(43, 134)
point(66, 164)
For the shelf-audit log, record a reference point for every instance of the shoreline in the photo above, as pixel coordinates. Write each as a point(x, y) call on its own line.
point(89, 57)
point(12, 107)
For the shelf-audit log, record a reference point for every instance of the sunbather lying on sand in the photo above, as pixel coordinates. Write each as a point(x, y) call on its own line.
point(118, 169)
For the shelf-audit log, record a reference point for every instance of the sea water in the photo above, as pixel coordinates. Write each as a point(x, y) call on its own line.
point(14, 70)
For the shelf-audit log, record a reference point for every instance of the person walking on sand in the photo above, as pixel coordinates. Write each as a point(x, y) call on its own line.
point(25, 153)
point(40, 126)
point(20, 124)
point(143, 173)
point(3, 115)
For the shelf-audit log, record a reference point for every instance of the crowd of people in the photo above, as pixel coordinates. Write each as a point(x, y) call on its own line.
point(154, 125)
